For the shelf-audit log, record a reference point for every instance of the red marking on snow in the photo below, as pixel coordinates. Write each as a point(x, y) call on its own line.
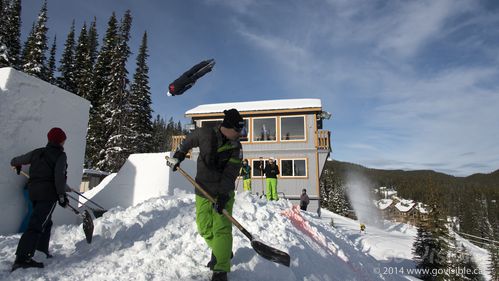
point(294, 214)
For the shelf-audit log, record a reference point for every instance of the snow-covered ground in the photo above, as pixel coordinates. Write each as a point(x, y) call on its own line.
point(157, 240)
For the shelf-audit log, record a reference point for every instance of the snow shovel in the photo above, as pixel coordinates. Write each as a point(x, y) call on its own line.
point(88, 223)
point(97, 213)
point(263, 250)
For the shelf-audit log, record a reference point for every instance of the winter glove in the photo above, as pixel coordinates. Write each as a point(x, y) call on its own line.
point(63, 200)
point(219, 205)
point(18, 170)
point(174, 162)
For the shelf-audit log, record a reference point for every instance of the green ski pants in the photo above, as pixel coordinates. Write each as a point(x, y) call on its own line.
point(216, 230)
point(272, 189)
point(247, 185)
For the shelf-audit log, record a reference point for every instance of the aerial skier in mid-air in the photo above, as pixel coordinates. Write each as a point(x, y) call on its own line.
point(189, 78)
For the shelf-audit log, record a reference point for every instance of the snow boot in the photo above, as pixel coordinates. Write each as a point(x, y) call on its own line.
point(219, 276)
point(27, 263)
point(213, 260)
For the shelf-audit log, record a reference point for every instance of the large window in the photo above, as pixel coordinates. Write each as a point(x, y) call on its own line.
point(264, 129)
point(211, 123)
point(257, 168)
point(293, 128)
point(217, 122)
point(293, 168)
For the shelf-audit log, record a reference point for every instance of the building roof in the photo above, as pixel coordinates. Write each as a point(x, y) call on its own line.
point(405, 205)
point(94, 172)
point(384, 203)
point(266, 105)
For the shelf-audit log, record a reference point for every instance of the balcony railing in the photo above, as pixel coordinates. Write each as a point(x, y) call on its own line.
point(323, 139)
point(176, 141)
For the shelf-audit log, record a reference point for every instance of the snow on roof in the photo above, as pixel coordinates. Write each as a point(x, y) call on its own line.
point(384, 203)
point(256, 106)
point(405, 205)
point(95, 172)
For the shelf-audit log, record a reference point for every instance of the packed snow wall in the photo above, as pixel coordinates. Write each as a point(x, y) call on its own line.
point(29, 107)
point(143, 176)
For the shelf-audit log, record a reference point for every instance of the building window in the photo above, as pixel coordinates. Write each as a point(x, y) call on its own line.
point(294, 168)
point(256, 167)
point(211, 123)
point(292, 128)
point(264, 129)
point(246, 125)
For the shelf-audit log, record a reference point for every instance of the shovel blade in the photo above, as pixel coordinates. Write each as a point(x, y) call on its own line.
point(270, 253)
point(88, 226)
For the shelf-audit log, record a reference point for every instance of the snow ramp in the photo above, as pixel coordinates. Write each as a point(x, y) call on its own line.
point(142, 177)
point(157, 240)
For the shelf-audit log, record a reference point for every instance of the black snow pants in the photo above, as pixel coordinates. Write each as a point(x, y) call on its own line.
point(37, 236)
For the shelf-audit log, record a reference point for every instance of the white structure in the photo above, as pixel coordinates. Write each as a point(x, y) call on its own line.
point(147, 171)
point(29, 108)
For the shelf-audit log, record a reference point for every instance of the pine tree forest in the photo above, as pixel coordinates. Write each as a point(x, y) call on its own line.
point(121, 118)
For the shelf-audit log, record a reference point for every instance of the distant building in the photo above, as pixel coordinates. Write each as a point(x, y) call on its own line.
point(91, 178)
point(402, 210)
point(290, 131)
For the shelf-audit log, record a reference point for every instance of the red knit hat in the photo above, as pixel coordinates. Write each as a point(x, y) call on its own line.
point(56, 135)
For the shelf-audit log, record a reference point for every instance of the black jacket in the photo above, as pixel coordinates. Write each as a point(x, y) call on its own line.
point(47, 171)
point(219, 160)
point(271, 171)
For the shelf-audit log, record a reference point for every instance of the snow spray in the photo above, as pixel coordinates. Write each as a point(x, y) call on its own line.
point(358, 190)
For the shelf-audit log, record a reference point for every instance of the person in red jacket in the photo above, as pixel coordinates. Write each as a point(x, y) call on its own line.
point(46, 187)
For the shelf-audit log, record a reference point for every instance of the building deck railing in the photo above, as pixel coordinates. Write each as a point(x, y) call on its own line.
point(176, 141)
point(323, 140)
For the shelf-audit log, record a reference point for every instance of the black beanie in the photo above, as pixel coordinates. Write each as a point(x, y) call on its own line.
point(233, 119)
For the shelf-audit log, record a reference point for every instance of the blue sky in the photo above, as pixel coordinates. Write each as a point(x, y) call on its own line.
point(410, 84)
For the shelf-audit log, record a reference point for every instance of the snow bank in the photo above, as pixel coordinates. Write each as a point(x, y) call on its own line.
point(157, 240)
point(29, 107)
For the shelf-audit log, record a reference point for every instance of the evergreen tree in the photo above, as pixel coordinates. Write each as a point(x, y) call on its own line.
point(83, 65)
point(67, 63)
point(159, 135)
point(140, 104)
point(33, 57)
point(13, 31)
point(431, 247)
point(494, 261)
point(92, 42)
point(116, 107)
point(96, 135)
point(333, 193)
point(51, 64)
point(4, 52)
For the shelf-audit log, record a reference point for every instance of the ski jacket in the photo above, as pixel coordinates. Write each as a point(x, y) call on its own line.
point(304, 200)
point(271, 171)
point(219, 160)
point(246, 172)
point(47, 171)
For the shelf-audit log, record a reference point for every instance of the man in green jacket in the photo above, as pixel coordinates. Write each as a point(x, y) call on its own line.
point(218, 165)
point(246, 174)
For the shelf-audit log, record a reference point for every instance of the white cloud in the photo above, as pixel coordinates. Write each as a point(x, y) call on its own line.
point(358, 57)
